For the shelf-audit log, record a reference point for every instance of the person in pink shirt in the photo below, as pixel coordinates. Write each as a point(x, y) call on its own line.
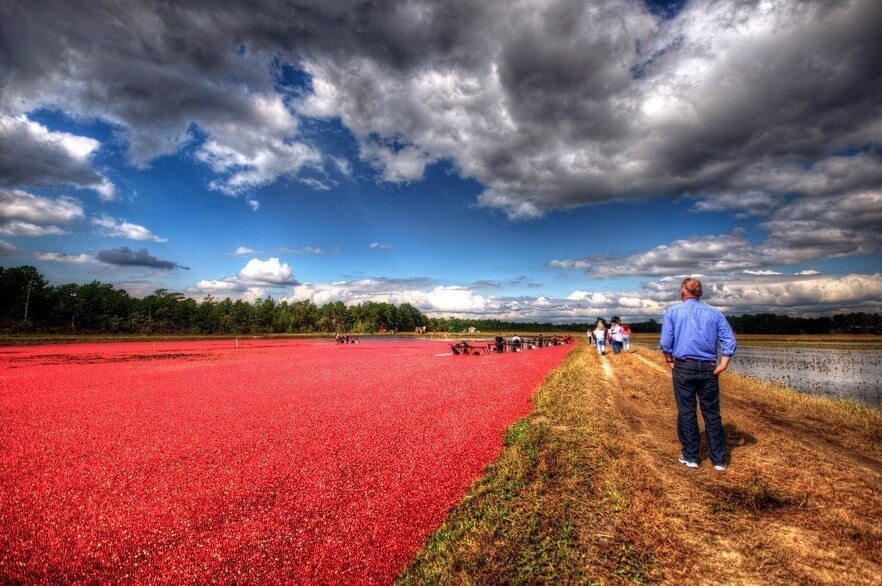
point(626, 337)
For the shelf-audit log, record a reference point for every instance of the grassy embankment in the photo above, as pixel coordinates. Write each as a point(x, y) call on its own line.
point(587, 489)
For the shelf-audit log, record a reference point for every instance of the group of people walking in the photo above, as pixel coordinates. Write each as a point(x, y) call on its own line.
point(617, 335)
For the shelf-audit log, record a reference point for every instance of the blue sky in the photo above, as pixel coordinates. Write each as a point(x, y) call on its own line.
point(517, 168)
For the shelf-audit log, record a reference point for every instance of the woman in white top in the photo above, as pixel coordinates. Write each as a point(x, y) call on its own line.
point(600, 337)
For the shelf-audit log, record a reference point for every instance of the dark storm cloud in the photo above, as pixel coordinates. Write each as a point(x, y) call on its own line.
point(127, 257)
point(578, 103)
point(549, 104)
point(803, 230)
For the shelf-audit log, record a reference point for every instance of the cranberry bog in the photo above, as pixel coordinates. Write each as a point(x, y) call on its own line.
point(274, 461)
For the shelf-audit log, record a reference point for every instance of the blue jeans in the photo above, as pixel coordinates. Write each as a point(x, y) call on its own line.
point(697, 380)
point(601, 346)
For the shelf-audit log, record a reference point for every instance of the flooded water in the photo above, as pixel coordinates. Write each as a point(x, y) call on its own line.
point(845, 374)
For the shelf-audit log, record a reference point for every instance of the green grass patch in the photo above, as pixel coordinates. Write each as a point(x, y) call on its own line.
point(546, 509)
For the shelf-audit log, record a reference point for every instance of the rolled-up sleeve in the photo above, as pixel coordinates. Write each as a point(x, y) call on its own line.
point(726, 336)
point(666, 343)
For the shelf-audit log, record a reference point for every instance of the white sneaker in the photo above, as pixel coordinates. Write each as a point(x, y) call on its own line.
point(719, 467)
point(686, 462)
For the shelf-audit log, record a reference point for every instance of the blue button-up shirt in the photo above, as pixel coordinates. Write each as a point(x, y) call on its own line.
point(691, 330)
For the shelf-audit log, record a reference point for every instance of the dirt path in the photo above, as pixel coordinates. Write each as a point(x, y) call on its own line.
point(795, 505)
point(588, 489)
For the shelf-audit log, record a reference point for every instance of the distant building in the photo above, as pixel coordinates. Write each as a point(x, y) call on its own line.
point(473, 330)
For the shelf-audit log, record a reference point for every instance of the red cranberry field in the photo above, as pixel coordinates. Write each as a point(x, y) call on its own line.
point(301, 461)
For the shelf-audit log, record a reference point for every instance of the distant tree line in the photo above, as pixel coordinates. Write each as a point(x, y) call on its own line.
point(29, 304)
point(770, 323)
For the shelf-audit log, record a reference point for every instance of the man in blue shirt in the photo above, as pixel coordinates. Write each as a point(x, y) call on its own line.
point(690, 332)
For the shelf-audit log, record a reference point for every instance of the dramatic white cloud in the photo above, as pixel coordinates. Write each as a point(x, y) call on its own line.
point(227, 288)
point(270, 272)
point(252, 294)
point(256, 279)
point(123, 229)
point(397, 166)
point(456, 299)
point(439, 298)
point(256, 155)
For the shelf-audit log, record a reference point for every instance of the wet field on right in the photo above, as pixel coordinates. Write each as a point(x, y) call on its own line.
point(852, 370)
point(845, 374)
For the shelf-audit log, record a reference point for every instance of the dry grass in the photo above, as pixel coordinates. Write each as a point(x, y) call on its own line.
point(587, 489)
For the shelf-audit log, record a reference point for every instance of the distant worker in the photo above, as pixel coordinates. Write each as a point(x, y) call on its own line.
point(460, 348)
point(540, 341)
point(500, 343)
point(690, 333)
point(515, 343)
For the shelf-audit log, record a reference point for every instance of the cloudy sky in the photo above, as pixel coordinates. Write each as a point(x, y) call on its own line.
point(525, 159)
